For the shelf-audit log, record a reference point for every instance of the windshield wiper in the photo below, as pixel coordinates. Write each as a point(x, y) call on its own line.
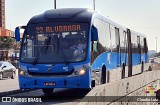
point(37, 57)
point(48, 41)
point(63, 54)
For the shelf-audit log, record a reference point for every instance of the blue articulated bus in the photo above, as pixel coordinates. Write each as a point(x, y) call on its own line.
point(77, 48)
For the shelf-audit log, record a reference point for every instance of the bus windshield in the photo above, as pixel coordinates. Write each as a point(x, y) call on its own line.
point(58, 42)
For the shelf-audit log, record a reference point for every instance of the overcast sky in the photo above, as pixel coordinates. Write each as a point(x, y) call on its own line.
point(140, 15)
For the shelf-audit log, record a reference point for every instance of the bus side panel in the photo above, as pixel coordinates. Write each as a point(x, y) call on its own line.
point(107, 59)
point(136, 64)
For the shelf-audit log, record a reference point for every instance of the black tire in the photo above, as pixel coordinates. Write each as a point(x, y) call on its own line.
point(48, 91)
point(13, 75)
point(103, 75)
point(142, 67)
point(123, 72)
point(93, 84)
point(1, 76)
point(108, 76)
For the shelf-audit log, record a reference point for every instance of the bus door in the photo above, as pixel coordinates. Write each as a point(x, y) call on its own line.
point(123, 47)
point(139, 49)
point(142, 49)
point(146, 50)
point(117, 35)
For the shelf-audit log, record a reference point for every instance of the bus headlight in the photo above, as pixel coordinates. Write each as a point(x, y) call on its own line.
point(24, 73)
point(21, 72)
point(82, 72)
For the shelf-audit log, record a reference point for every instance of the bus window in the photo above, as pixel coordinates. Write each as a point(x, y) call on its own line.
point(139, 46)
point(122, 41)
point(142, 44)
point(134, 43)
point(146, 50)
point(108, 37)
point(117, 37)
point(123, 44)
point(113, 38)
point(145, 46)
point(102, 39)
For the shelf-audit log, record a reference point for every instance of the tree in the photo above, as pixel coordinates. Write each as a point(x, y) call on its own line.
point(6, 42)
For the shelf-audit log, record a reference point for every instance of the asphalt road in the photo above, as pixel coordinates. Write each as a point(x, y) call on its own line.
point(59, 97)
point(8, 84)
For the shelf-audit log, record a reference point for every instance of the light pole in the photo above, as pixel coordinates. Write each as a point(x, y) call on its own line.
point(156, 44)
point(54, 4)
point(94, 5)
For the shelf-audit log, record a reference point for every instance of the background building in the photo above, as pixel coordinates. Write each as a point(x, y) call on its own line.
point(2, 14)
point(7, 41)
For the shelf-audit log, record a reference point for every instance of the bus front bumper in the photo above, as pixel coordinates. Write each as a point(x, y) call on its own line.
point(81, 81)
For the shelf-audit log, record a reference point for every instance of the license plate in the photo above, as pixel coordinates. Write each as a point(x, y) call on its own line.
point(49, 83)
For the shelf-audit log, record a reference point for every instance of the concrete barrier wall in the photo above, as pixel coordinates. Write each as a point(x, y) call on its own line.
point(115, 74)
point(132, 86)
point(139, 100)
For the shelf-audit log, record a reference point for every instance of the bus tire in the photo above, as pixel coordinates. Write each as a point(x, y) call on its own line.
point(93, 84)
point(48, 91)
point(108, 76)
point(103, 75)
point(142, 67)
point(123, 71)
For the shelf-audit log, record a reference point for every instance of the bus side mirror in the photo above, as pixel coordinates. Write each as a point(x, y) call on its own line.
point(94, 34)
point(17, 34)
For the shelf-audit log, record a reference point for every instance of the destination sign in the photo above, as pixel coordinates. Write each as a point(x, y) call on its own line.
point(61, 28)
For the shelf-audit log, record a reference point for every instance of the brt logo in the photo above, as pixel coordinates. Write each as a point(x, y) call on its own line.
point(151, 90)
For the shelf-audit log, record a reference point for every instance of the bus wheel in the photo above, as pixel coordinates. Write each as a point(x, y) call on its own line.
point(103, 75)
point(93, 84)
point(48, 91)
point(142, 67)
point(123, 72)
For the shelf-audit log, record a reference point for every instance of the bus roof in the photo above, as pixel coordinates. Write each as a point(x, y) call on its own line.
point(138, 34)
point(68, 14)
point(73, 14)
